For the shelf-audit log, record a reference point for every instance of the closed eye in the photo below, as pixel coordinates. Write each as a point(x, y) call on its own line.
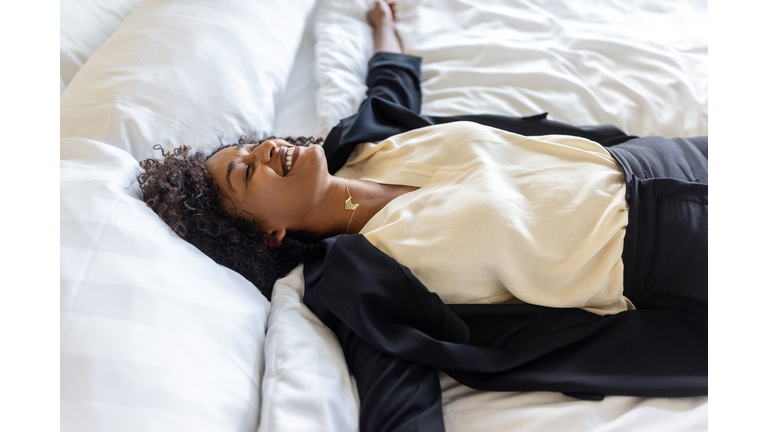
point(249, 168)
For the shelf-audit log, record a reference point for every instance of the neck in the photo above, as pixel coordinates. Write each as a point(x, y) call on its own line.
point(372, 198)
point(333, 218)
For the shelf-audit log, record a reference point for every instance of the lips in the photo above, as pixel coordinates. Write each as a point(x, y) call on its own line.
point(288, 157)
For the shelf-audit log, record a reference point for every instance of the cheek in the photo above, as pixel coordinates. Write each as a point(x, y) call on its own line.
point(268, 205)
point(226, 204)
point(239, 210)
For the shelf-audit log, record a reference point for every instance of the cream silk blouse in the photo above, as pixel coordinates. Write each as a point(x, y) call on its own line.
point(500, 217)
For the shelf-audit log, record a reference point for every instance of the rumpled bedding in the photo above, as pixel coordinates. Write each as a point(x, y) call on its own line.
point(641, 66)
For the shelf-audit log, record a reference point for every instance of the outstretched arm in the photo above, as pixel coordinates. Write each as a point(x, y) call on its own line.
point(394, 93)
point(382, 16)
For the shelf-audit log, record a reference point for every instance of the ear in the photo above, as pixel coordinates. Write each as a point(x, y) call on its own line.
point(275, 238)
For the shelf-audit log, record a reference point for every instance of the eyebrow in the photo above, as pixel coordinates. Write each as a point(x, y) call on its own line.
point(230, 167)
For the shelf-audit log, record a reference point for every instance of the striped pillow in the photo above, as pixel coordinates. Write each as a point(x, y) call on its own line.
point(155, 336)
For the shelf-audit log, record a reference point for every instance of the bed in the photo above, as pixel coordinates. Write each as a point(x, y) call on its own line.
point(156, 336)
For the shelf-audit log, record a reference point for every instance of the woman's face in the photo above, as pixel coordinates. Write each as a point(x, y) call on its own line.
point(273, 183)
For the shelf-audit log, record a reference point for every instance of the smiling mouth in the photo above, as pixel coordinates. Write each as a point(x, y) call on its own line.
point(288, 157)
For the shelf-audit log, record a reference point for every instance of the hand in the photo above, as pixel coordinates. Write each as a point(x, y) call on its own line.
point(382, 16)
point(382, 13)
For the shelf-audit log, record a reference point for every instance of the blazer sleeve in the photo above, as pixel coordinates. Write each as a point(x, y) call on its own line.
point(395, 78)
point(392, 107)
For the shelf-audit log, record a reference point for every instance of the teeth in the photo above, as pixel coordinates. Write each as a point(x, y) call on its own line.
point(289, 159)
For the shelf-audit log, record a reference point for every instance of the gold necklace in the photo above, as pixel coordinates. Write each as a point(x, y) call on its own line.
point(348, 204)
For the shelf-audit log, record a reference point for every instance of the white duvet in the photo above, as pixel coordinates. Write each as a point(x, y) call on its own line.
point(641, 65)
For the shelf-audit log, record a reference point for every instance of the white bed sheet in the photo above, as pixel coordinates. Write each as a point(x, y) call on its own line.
point(641, 66)
point(468, 410)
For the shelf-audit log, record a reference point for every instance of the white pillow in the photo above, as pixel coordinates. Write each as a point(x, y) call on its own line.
point(84, 25)
point(307, 386)
point(155, 336)
point(296, 113)
point(344, 43)
point(186, 72)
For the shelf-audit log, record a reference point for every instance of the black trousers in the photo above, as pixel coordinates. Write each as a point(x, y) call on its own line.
point(666, 243)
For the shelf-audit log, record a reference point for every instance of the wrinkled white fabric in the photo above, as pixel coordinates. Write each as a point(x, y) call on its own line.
point(469, 410)
point(641, 66)
point(306, 384)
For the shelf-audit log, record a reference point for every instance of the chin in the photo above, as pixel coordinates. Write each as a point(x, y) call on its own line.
point(319, 155)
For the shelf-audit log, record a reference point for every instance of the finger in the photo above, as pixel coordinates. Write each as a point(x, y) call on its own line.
point(393, 8)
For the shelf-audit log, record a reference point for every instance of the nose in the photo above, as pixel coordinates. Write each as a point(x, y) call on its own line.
point(264, 152)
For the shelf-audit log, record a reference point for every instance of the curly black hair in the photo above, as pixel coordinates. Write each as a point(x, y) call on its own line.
point(181, 191)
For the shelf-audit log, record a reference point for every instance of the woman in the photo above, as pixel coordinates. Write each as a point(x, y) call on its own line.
point(567, 255)
point(569, 224)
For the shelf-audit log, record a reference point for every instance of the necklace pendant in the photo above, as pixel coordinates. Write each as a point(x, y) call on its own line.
point(349, 206)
